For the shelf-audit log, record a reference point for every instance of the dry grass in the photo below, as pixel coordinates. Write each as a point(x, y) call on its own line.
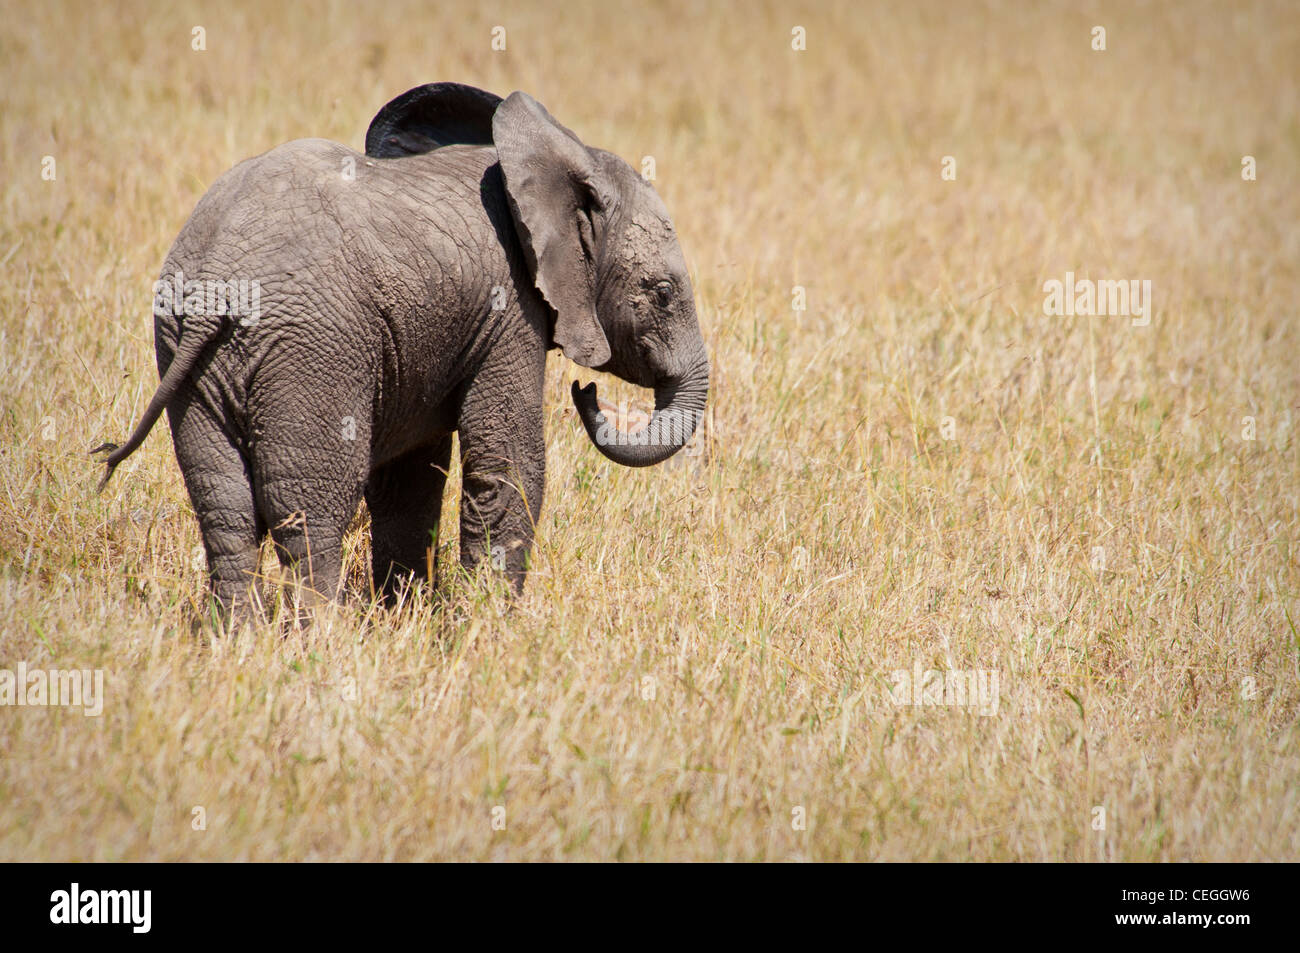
point(764, 592)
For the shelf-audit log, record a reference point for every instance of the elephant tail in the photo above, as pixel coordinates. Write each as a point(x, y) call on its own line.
point(188, 351)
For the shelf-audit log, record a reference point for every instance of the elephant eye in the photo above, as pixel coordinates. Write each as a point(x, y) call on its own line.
point(664, 293)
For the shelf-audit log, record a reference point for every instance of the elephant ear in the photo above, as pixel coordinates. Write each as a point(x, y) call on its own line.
point(557, 194)
point(429, 116)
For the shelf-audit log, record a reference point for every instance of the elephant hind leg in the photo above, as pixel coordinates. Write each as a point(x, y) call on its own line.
point(309, 431)
point(220, 489)
point(308, 518)
point(405, 500)
point(307, 491)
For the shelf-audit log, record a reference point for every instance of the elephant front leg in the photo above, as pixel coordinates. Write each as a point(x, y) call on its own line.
point(497, 520)
point(503, 462)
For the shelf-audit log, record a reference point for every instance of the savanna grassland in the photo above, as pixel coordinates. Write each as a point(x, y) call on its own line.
point(919, 468)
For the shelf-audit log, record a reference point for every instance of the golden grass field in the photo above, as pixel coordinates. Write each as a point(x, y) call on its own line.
point(700, 667)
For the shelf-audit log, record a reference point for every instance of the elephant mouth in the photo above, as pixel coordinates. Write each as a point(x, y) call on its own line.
point(644, 440)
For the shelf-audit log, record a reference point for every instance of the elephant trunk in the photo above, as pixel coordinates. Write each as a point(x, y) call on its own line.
point(679, 405)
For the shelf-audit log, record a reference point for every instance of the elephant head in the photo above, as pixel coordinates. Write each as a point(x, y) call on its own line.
point(599, 245)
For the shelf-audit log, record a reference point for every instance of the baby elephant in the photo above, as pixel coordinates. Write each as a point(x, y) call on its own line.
point(326, 321)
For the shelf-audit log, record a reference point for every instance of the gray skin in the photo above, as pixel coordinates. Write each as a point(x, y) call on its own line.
point(413, 299)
